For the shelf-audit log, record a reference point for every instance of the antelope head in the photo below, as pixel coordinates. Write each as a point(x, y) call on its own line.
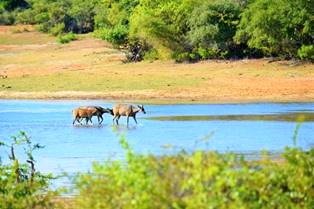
point(141, 107)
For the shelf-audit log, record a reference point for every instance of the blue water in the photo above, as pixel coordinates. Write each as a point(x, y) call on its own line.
point(73, 148)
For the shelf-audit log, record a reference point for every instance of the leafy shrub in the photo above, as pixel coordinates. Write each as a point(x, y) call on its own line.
point(181, 57)
point(151, 54)
point(6, 18)
point(306, 52)
point(57, 29)
point(116, 35)
point(25, 17)
point(82, 15)
point(199, 180)
point(21, 186)
point(63, 39)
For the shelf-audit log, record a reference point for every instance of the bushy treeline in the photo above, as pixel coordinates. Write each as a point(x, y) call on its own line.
point(183, 29)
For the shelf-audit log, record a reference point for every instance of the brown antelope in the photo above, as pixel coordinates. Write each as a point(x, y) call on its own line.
point(88, 112)
point(126, 110)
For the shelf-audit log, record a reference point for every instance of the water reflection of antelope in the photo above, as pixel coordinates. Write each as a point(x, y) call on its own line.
point(126, 110)
point(88, 112)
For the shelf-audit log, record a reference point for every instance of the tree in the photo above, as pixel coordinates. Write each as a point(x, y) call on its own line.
point(162, 25)
point(13, 4)
point(82, 15)
point(278, 28)
point(112, 20)
point(212, 27)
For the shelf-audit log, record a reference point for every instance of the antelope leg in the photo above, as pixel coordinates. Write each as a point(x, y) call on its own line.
point(101, 119)
point(74, 120)
point(117, 120)
point(114, 119)
point(79, 119)
point(134, 117)
point(86, 120)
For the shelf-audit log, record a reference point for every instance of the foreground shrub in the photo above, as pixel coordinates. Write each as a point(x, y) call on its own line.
point(21, 186)
point(199, 180)
point(63, 39)
point(57, 30)
point(306, 52)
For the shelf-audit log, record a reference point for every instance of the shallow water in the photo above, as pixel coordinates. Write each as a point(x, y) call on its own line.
point(73, 148)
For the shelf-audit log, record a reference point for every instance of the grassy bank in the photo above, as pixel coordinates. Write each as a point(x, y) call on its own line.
point(90, 68)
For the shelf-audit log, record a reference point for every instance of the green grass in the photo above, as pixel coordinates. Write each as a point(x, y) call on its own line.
point(25, 38)
point(78, 81)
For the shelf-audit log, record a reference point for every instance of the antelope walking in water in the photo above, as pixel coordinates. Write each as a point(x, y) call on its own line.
point(88, 112)
point(126, 110)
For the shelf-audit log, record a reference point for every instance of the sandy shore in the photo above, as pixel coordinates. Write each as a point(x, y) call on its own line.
point(152, 97)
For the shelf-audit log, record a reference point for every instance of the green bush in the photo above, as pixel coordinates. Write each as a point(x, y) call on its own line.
point(21, 186)
point(58, 29)
point(306, 52)
point(6, 18)
point(116, 35)
point(277, 28)
point(181, 57)
point(82, 15)
point(151, 55)
point(64, 39)
point(25, 17)
point(212, 27)
point(199, 180)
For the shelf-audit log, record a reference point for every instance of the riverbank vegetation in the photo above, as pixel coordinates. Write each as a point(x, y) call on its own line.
point(90, 68)
point(178, 29)
point(199, 179)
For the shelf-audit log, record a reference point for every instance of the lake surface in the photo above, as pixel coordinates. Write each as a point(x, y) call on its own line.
point(72, 149)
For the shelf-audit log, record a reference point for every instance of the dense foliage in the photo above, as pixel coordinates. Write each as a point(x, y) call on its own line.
point(10, 5)
point(278, 28)
point(179, 29)
point(21, 186)
point(199, 180)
